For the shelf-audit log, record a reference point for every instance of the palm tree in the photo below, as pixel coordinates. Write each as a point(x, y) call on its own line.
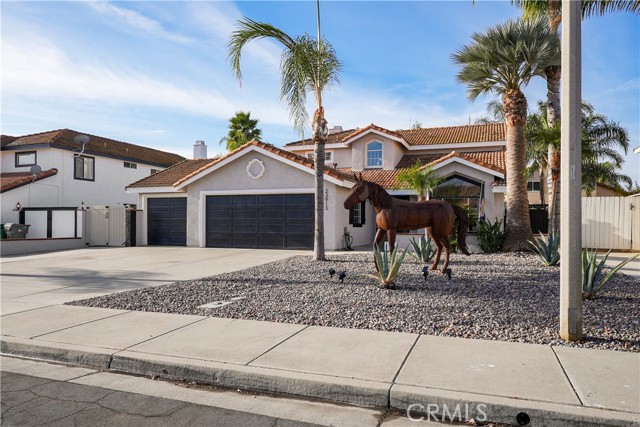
point(503, 60)
point(552, 9)
point(601, 161)
point(496, 115)
point(421, 179)
point(307, 65)
point(242, 129)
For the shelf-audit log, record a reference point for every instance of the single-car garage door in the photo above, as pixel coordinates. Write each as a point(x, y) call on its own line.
point(274, 221)
point(167, 221)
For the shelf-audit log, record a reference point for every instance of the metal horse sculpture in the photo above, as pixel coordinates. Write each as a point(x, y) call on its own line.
point(394, 214)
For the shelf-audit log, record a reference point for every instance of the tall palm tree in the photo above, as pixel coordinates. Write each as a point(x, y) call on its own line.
point(552, 9)
point(601, 162)
point(503, 60)
point(307, 65)
point(421, 179)
point(242, 129)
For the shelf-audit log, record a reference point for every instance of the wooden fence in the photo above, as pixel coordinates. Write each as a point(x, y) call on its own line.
point(611, 223)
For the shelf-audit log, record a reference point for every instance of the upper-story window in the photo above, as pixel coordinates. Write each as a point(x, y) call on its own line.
point(84, 168)
point(374, 155)
point(154, 171)
point(130, 165)
point(328, 156)
point(25, 158)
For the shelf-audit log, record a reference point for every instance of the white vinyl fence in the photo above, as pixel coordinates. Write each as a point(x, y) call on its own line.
point(611, 223)
point(106, 226)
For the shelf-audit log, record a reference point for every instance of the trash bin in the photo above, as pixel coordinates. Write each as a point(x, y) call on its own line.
point(16, 231)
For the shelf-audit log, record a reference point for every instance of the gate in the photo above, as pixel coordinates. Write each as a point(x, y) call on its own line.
point(609, 222)
point(539, 219)
point(106, 226)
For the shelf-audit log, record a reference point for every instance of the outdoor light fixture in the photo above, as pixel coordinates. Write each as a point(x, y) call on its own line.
point(342, 276)
point(425, 272)
point(332, 272)
point(448, 272)
point(18, 207)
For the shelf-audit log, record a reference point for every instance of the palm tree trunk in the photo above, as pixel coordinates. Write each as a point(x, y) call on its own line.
point(553, 74)
point(319, 139)
point(517, 203)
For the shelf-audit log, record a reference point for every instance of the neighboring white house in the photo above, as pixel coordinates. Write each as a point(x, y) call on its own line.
point(262, 196)
point(70, 174)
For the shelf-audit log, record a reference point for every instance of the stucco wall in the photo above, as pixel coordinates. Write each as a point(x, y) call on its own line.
point(391, 152)
point(361, 235)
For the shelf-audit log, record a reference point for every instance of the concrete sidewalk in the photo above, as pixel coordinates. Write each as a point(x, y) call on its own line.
point(445, 376)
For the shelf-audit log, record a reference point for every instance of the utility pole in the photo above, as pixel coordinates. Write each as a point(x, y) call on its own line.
point(571, 172)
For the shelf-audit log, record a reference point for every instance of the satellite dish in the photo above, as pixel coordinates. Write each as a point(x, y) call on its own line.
point(81, 139)
point(35, 169)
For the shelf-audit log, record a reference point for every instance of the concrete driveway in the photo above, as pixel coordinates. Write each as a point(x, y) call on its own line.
point(35, 281)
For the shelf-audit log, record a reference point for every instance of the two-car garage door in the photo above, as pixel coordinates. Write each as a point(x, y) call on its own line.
point(267, 221)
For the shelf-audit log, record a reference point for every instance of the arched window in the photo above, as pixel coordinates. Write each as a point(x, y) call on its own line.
point(462, 191)
point(374, 154)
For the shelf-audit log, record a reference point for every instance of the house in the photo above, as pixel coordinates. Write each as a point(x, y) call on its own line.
point(261, 196)
point(56, 169)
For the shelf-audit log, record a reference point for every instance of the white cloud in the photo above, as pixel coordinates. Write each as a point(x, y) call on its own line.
point(135, 20)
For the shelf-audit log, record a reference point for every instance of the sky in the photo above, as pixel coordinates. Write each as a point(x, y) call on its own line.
point(155, 73)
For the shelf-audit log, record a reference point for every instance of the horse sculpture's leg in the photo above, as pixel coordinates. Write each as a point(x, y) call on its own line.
point(391, 237)
point(376, 242)
point(436, 241)
point(446, 242)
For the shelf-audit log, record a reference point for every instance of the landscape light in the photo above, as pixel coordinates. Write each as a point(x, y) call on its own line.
point(332, 272)
point(448, 272)
point(425, 272)
point(342, 276)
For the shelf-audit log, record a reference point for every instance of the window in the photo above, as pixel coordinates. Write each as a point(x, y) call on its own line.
point(25, 158)
point(533, 185)
point(357, 215)
point(130, 165)
point(84, 168)
point(154, 171)
point(464, 192)
point(328, 156)
point(374, 155)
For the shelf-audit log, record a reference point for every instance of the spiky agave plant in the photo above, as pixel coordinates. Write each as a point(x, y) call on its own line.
point(592, 283)
point(547, 249)
point(423, 250)
point(388, 265)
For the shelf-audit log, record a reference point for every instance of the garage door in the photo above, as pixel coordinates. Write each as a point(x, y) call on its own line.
point(167, 221)
point(274, 221)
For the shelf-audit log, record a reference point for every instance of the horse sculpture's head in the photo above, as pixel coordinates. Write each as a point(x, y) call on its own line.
point(358, 194)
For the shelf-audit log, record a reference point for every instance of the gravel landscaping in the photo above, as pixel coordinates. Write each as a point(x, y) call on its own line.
point(506, 297)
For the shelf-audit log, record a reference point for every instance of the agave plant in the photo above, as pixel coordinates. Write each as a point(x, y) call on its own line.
point(547, 249)
point(490, 236)
point(388, 265)
point(424, 250)
point(592, 282)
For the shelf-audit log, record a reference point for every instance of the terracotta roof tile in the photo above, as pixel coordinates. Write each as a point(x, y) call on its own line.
point(11, 180)
point(386, 178)
point(493, 160)
point(370, 127)
point(97, 145)
point(333, 138)
point(187, 169)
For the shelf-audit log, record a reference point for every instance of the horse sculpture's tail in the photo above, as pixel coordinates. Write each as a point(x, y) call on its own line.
point(463, 226)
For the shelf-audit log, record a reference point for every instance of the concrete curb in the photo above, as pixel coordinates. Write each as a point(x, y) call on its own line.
point(502, 409)
point(329, 388)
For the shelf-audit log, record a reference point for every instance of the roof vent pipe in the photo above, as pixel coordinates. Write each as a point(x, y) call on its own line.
point(199, 150)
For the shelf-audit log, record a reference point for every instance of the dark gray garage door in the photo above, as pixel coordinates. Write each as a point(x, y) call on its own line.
point(167, 221)
point(274, 221)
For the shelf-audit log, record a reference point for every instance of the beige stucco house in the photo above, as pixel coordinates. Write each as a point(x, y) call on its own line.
point(262, 196)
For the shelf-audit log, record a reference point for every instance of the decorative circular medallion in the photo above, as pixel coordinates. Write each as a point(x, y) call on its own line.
point(255, 169)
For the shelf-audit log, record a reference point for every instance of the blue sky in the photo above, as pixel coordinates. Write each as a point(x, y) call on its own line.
point(154, 73)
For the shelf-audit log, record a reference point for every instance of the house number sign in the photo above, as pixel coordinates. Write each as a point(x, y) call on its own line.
point(255, 169)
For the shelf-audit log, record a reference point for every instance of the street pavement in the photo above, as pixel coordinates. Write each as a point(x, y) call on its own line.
point(519, 384)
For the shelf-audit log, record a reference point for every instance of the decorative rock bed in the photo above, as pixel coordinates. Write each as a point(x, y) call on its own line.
point(506, 297)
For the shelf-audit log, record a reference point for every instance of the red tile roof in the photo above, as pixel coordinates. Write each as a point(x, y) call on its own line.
point(490, 132)
point(97, 145)
point(187, 169)
point(11, 180)
point(386, 178)
point(493, 160)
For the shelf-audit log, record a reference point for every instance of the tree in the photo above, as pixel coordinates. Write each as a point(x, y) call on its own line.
point(242, 129)
point(503, 60)
point(421, 179)
point(552, 9)
point(601, 162)
point(307, 65)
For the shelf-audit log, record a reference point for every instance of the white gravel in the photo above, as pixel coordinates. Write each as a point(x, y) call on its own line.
point(505, 297)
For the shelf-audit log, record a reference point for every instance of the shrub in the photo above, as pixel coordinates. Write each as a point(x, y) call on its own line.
point(547, 249)
point(490, 236)
point(424, 250)
point(388, 265)
point(592, 283)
